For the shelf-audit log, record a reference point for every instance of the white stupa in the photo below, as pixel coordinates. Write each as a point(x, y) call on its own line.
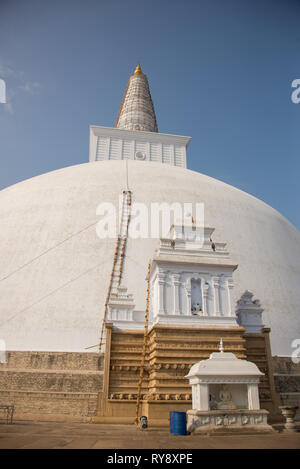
point(55, 270)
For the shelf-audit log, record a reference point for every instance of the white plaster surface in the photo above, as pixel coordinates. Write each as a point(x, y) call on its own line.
point(56, 302)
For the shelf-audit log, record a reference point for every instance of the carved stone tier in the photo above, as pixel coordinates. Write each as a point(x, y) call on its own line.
point(172, 350)
point(229, 421)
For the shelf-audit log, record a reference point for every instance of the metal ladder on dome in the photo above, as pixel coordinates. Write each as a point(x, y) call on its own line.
point(115, 282)
point(118, 260)
point(144, 349)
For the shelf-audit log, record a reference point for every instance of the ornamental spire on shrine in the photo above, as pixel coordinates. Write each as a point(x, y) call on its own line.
point(137, 111)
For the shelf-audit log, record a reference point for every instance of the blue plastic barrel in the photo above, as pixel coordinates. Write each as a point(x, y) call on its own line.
point(178, 423)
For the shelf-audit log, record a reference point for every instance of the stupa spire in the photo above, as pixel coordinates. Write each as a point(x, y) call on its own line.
point(137, 111)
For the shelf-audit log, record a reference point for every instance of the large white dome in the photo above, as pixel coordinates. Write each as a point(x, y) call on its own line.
point(56, 301)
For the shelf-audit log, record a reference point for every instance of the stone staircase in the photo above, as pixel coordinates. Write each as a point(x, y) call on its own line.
point(51, 386)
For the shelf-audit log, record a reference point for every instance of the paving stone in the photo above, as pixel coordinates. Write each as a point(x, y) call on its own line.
point(84, 436)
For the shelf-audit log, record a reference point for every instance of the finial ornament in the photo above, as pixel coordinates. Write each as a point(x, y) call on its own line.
point(138, 70)
point(221, 348)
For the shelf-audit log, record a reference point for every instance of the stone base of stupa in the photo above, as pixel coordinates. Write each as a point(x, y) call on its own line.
point(172, 350)
point(228, 421)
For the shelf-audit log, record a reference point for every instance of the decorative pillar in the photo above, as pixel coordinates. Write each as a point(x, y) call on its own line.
point(200, 396)
point(176, 284)
point(134, 149)
point(108, 148)
point(108, 333)
point(205, 289)
point(229, 287)
point(216, 285)
point(253, 396)
point(161, 292)
point(129, 314)
point(122, 149)
point(188, 297)
point(148, 156)
point(173, 155)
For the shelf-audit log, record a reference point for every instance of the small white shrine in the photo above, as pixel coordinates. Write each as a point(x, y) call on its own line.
point(249, 313)
point(225, 395)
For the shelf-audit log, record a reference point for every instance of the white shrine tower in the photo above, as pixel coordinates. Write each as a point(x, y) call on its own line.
point(135, 135)
point(191, 277)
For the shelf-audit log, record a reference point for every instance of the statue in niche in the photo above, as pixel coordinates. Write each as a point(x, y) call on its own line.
point(225, 397)
point(196, 309)
point(196, 297)
point(212, 402)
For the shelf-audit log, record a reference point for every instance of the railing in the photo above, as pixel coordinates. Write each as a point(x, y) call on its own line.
point(9, 409)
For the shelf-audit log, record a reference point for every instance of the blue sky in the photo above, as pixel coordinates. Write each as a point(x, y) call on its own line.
point(220, 71)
